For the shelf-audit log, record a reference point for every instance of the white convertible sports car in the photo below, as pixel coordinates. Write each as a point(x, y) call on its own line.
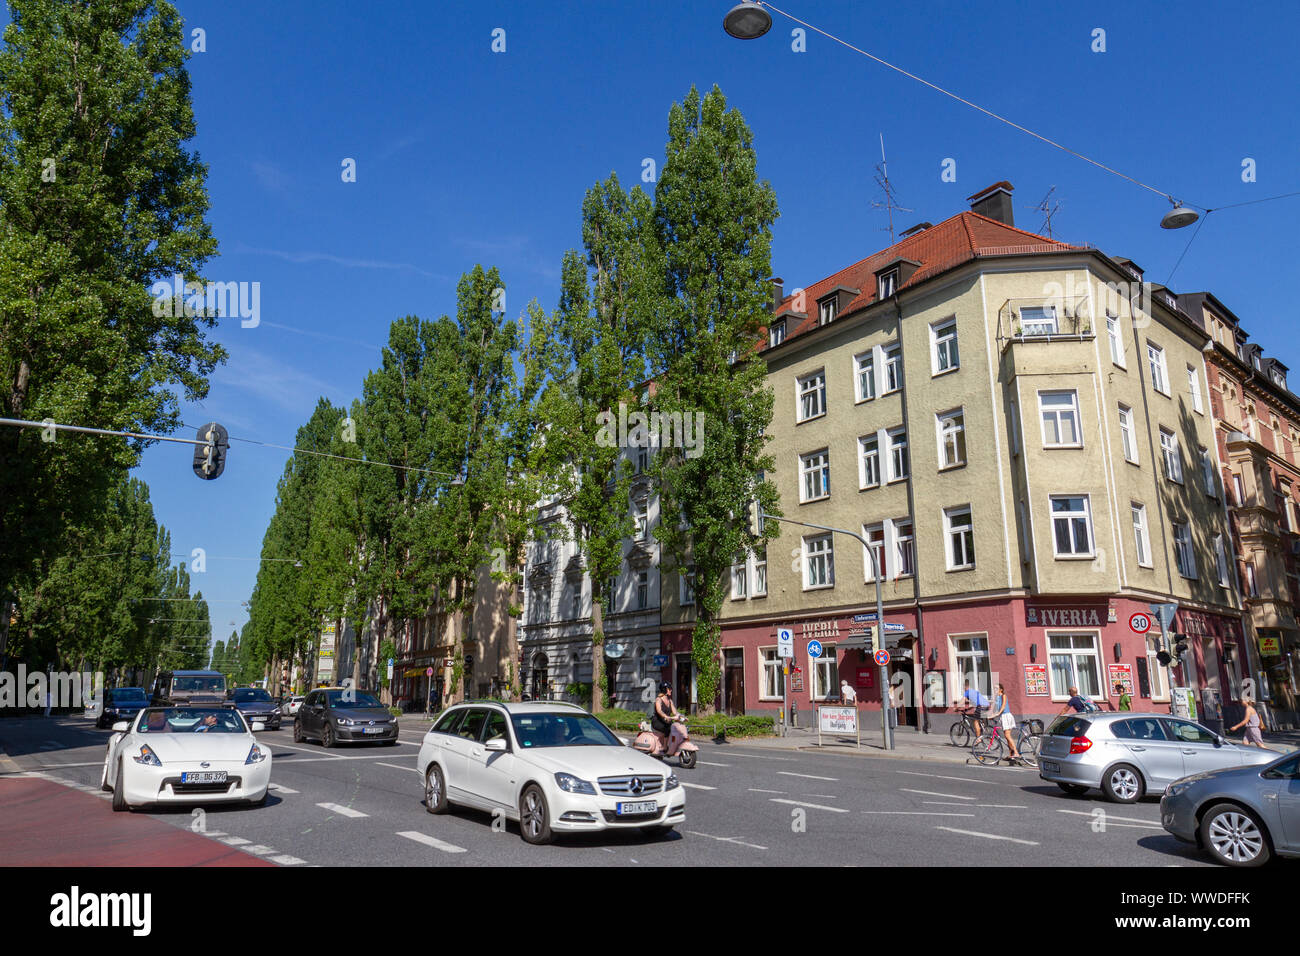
point(186, 755)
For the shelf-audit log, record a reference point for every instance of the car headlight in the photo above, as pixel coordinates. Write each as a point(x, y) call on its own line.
point(672, 783)
point(571, 784)
point(147, 756)
point(255, 755)
point(344, 721)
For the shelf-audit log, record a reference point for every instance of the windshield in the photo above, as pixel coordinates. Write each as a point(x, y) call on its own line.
point(191, 684)
point(191, 720)
point(246, 694)
point(356, 698)
point(561, 730)
point(126, 695)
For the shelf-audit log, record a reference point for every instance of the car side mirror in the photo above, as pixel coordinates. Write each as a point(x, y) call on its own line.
point(497, 744)
point(258, 725)
point(121, 727)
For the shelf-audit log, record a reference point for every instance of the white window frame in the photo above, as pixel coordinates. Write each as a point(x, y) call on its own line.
point(1159, 370)
point(642, 590)
point(868, 461)
point(944, 355)
point(904, 548)
point(898, 454)
point(1072, 517)
point(875, 535)
point(1128, 434)
point(641, 518)
point(739, 580)
point(758, 561)
point(950, 430)
point(1207, 474)
point(815, 463)
point(1221, 560)
point(1141, 534)
point(887, 284)
point(1074, 654)
point(864, 371)
point(972, 662)
point(810, 386)
point(1172, 455)
point(1058, 414)
point(1155, 670)
point(819, 548)
point(1044, 323)
point(1114, 333)
point(776, 334)
point(771, 666)
point(828, 310)
point(1194, 387)
point(959, 537)
point(892, 363)
point(1184, 554)
point(825, 673)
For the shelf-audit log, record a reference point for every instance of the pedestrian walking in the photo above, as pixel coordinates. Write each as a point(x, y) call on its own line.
point(1003, 717)
point(849, 694)
point(1125, 701)
point(1254, 736)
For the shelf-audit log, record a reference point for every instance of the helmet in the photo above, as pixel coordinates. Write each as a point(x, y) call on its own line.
point(665, 687)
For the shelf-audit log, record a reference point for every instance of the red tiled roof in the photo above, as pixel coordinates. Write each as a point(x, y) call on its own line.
point(959, 239)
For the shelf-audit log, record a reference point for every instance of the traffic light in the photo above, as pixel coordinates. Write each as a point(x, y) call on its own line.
point(1180, 644)
point(1164, 657)
point(210, 457)
point(873, 638)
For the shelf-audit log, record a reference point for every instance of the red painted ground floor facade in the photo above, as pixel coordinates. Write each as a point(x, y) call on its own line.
point(1037, 648)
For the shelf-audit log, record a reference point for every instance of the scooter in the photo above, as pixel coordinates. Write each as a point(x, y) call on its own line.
point(676, 744)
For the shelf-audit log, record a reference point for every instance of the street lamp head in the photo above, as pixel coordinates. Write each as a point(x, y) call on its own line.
point(297, 564)
point(1178, 217)
point(747, 21)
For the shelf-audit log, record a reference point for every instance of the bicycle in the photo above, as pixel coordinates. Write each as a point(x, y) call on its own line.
point(990, 747)
point(963, 732)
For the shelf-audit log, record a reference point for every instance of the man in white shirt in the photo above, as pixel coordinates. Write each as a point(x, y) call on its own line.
point(848, 694)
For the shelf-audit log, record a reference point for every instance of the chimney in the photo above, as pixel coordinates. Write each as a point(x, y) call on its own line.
point(994, 202)
point(778, 292)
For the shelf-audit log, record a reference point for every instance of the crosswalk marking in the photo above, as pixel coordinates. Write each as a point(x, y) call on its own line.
point(431, 841)
point(397, 767)
point(280, 788)
point(697, 786)
point(284, 859)
point(341, 810)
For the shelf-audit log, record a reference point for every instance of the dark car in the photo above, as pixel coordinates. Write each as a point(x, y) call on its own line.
point(335, 715)
point(256, 704)
point(182, 688)
point(121, 703)
point(1241, 816)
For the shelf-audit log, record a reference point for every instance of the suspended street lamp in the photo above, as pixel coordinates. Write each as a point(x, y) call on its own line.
point(747, 21)
point(1178, 217)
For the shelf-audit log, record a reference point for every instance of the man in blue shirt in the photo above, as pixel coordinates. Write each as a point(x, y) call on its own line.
point(1075, 703)
point(973, 703)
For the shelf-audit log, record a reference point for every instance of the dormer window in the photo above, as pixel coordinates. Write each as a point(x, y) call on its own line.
point(829, 309)
point(776, 334)
point(1279, 379)
point(888, 284)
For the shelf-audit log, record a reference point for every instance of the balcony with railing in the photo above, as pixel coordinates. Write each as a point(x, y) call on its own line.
point(1044, 319)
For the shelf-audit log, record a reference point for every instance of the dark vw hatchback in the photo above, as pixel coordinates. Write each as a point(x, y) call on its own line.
point(335, 715)
point(121, 703)
point(256, 704)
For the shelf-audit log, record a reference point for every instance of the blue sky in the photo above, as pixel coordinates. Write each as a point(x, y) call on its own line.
point(465, 156)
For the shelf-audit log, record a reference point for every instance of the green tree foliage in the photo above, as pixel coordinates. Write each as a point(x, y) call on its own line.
point(99, 199)
point(714, 223)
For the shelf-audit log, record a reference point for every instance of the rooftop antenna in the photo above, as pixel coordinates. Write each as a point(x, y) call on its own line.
point(882, 180)
point(1048, 208)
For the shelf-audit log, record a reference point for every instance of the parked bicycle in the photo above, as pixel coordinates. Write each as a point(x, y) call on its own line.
point(990, 747)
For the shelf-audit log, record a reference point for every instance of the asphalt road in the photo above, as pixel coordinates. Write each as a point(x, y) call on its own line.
point(745, 806)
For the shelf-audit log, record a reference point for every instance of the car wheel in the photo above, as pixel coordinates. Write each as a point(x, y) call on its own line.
point(688, 758)
point(327, 737)
point(534, 820)
point(119, 791)
point(297, 732)
point(1073, 789)
point(1123, 784)
point(1234, 836)
point(435, 790)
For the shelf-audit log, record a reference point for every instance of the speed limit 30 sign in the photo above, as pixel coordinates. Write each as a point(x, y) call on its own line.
point(1139, 623)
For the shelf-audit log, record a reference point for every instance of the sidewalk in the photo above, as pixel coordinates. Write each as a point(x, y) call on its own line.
point(909, 744)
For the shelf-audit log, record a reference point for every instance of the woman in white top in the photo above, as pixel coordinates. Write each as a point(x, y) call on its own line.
point(1252, 725)
point(1002, 713)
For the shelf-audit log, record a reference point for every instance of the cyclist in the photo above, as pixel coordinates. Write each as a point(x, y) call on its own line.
point(1002, 714)
point(972, 703)
point(1075, 703)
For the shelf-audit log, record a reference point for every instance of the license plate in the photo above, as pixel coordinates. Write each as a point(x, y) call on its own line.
point(1051, 766)
point(372, 730)
point(643, 806)
point(204, 776)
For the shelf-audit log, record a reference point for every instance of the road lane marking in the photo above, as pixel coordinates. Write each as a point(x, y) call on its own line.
point(710, 763)
point(284, 859)
point(988, 836)
point(940, 776)
point(397, 767)
point(1003, 806)
point(341, 810)
point(65, 766)
point(279, 788)
point(234, 841)
point(914, 813)
point(944, 803)
point(757, 790)
point(291, 761)
point(710, 836)
point(808, 776)
point(696, 786)
point(1110, 819)
point(431, 841)
point(736, 753)
point(258, 850)
point(932, 793)
point(828, 796)
point(813, 806)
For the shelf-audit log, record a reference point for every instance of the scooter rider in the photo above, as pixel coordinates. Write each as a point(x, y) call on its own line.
point(665, 710)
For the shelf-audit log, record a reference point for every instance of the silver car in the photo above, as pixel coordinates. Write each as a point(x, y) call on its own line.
point(1128, 755)
point(1241, 816)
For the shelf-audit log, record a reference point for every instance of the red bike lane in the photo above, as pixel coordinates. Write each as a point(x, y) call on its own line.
point(43, 823)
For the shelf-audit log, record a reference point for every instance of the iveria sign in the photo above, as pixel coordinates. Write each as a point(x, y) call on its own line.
point(1093, 616)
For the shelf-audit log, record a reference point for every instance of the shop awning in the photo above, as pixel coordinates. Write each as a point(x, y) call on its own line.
point(859, 641)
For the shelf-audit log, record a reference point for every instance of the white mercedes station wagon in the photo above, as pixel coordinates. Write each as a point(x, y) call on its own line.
point(550, 766)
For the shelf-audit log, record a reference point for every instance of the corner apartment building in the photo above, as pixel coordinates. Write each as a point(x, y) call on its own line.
point(1030, 454)
point(1258, 434)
